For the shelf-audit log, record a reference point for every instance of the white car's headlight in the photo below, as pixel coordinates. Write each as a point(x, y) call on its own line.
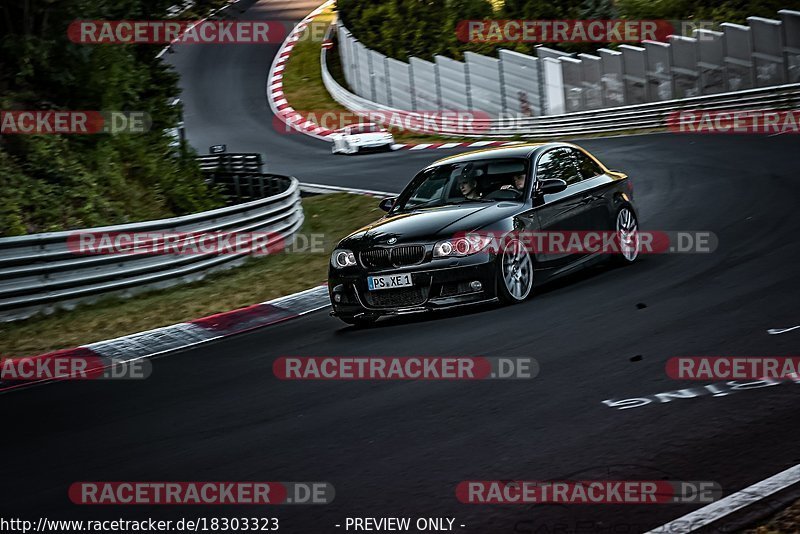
point(342, 258)
point(461, 246)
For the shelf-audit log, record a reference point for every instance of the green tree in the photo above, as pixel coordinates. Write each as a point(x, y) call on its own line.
point(53, 182)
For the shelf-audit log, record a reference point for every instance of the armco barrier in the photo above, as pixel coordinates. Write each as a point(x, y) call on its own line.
point(38, 273)
point(646, 116)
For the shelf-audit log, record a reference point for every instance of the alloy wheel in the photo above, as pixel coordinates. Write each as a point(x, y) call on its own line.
point(628, 234)
point(517, 270)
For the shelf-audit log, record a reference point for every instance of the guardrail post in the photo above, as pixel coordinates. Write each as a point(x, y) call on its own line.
point(768, 56)
point(791, 43)
point(738, 56)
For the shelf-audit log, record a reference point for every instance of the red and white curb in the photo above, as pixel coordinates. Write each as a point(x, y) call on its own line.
point(293, 119)
point(468, 144)
point(275, 96)
point(183, 335)
point(715, 512)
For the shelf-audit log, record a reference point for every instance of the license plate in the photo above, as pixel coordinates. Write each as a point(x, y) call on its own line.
point(390, 281)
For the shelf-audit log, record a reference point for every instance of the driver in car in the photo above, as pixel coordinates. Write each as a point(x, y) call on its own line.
point(518, 184)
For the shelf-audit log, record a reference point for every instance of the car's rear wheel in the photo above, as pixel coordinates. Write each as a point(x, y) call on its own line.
point(627, 228)
point(514, 273)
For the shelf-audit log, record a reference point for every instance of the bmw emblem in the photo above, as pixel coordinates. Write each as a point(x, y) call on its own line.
point(392, 240)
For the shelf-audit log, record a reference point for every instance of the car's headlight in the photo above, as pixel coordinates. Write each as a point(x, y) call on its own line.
point(461, 246)
point(342, 258)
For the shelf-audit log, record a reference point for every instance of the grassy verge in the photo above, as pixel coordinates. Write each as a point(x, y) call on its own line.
point(305, 91)
point(785, 522)
point(258, 280)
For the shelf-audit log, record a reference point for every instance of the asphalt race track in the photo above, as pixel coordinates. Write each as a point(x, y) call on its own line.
point(217, 412)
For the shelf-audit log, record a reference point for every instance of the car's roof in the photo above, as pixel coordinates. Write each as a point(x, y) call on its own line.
point(522, 150)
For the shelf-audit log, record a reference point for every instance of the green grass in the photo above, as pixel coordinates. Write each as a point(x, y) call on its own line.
point(784, 522)
point(258, 280)
point(305, 91)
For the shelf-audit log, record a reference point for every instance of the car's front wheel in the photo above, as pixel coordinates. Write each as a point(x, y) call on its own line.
point(514, 272)
point(349, 148)
point(627, 228)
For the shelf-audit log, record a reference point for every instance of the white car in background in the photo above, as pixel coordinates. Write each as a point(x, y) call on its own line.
point(356, 137)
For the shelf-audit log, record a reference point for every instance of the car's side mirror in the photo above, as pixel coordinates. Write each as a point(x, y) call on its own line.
point(387, 203)
point(551, 185)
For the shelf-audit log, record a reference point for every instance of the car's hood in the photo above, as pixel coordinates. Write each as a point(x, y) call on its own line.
point(431, 223)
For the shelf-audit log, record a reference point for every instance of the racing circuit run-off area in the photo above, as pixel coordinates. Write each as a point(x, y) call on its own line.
point(400, 266)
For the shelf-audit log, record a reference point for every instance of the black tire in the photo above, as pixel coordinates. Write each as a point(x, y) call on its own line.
point(514, 292)
point(626, 225)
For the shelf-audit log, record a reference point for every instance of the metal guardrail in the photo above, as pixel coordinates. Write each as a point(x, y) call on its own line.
point(230, 162)
point(647, 116)
point(39, 273)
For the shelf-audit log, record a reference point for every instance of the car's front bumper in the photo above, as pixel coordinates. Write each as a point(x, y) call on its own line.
point(452, 283)
point(374, 146)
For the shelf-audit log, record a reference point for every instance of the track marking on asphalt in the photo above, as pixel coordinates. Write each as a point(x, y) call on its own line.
point(719, 509)
point(776, 331)
point(719, 389)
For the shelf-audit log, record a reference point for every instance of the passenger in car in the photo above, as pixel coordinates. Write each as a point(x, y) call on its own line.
point(469, 187)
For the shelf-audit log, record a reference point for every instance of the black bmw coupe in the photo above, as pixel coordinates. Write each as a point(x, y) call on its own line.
point(461, 232)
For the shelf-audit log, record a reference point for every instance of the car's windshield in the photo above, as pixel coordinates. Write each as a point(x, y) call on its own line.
point(365, 128)
point(471, 181)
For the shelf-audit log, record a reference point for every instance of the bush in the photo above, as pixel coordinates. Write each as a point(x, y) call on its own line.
point(424, 28)
point(55, 182)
